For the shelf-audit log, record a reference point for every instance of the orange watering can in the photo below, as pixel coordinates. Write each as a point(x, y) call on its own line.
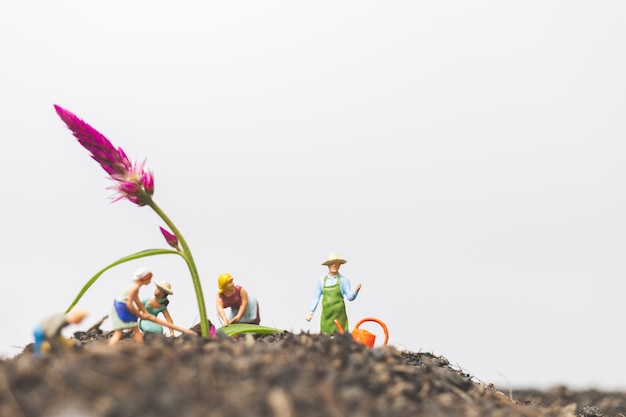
point(363, 336)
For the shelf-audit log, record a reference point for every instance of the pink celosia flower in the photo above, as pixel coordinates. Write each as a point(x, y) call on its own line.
point(137, 185)
point(133, 182)
point(170, 238)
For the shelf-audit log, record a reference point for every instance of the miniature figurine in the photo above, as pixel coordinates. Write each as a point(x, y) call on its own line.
point(127, 308)
point(333, 287)
point(158, 304)
point(48, 336)
point(244, 308)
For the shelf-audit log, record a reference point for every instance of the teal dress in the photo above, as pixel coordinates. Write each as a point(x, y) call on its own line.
point(148, 326)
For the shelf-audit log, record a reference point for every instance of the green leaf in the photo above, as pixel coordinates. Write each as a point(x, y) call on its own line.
point(241, 328)
point(138, 255)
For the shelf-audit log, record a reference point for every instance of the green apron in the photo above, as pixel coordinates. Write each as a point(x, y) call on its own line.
point(333, 307)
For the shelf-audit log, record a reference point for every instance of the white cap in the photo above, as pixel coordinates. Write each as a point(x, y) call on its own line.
point(141, 273)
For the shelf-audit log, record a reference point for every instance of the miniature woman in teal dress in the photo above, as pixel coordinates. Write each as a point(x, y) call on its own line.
point(155, 305)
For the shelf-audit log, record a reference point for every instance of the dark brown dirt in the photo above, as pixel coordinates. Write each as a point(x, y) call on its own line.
point(274, 375)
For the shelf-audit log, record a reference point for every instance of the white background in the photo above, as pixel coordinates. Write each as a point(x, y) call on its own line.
point(467, 158)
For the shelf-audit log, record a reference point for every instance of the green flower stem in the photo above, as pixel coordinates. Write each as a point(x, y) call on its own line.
point(186, 254)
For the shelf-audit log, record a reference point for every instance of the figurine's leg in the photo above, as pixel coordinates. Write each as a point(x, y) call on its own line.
point(117, 335)
point(137, 335)
point(40, 337)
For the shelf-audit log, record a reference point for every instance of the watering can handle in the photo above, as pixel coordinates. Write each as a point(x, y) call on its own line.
point(383, 325)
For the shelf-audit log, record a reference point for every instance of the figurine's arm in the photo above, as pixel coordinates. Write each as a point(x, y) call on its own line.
point(316, 300)
point(219, 306)
point(135, 305)
point(346, 289)
point(242, 309)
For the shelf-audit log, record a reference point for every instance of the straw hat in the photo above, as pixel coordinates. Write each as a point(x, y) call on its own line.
point(332, 258)
point(165, 286)
point(222, 280)
point(76, 315)
point(141, 273)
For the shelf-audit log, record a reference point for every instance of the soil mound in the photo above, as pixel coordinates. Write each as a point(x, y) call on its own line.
point(280, 375)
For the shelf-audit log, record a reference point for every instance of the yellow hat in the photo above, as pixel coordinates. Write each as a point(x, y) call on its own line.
point(222, 280)
point(332, 258)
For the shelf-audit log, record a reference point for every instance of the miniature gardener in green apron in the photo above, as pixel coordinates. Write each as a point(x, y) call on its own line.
point(332, 287)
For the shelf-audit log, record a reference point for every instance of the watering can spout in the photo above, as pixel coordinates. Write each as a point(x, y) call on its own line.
point(338, 326)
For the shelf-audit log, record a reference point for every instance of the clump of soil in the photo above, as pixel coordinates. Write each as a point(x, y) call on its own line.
point(280, 375)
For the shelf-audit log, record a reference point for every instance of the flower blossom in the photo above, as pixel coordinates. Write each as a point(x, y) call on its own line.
point(133, 182)
point(170, 238)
